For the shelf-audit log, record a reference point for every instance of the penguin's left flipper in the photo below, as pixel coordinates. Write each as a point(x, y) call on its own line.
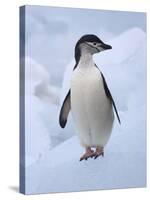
point(108, 94)
point(66, 106)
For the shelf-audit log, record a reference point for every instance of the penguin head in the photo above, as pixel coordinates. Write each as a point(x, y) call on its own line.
point(91, 44)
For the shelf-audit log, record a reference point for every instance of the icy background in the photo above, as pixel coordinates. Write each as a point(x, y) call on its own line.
point(52, 153)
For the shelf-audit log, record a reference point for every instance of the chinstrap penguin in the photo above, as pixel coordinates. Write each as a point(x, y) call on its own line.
point(89, 99)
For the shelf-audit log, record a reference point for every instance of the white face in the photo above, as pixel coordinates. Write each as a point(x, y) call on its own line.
point(92, 47)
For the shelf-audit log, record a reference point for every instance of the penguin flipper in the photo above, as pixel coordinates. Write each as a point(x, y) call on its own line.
point(108, 94)
point(66, 106)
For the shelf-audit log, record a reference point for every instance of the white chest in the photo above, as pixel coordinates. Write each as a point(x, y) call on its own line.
point(91, 109)
point(87, 81)
point(88, 95)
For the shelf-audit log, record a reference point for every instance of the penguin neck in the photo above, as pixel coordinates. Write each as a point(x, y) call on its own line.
point(86, 59)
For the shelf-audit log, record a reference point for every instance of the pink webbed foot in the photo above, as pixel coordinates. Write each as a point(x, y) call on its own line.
point(99, 152)
point(88, 154)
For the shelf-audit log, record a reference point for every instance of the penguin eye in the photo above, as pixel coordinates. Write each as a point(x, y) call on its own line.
point(94, 43)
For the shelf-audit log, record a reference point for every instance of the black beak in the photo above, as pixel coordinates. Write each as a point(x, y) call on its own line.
point(106, 46)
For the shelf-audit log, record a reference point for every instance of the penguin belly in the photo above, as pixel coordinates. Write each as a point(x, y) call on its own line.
point(91, 109)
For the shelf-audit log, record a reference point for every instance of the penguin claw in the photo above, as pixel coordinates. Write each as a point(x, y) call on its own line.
point(92, 154)
point(99, 154)
point(95, 157)
point(86, 156)
point(83, 159)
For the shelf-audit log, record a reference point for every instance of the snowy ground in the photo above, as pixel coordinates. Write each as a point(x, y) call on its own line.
point(123, 166)
point(41, 117)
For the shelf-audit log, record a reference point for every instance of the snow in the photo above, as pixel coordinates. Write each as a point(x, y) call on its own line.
point(36, 142)
point(54, 165)
point(41, 114)
point(38, 82)
point(51, 37)
point(123, 166)
point(127, 61)
point(125, 45)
